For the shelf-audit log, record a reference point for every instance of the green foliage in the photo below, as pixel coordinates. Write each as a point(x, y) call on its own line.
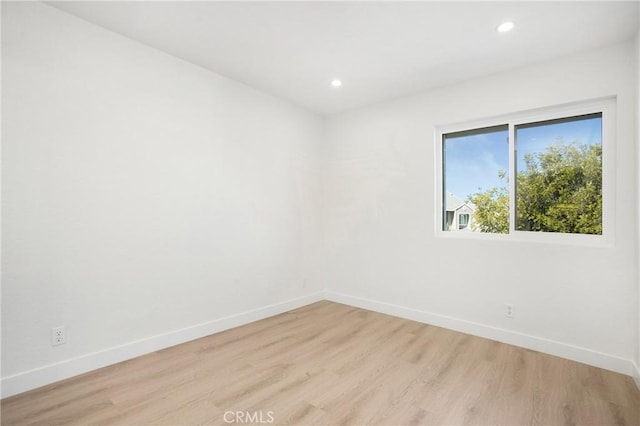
point(558, 190)
point(492, 211)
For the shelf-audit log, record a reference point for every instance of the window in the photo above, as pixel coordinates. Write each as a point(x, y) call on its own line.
point(476, 159)
point(463, 220)
point(560, 161)
point(559, 175)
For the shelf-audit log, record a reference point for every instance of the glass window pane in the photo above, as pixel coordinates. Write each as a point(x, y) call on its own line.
point(463, 221)
point(559, 175)
point(475, 179)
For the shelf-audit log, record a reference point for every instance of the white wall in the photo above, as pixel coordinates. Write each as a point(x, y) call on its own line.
point(637, 336)
point(381, 250)
point(142, 196)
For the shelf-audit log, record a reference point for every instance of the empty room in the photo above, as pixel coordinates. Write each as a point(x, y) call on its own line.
point(320, 213)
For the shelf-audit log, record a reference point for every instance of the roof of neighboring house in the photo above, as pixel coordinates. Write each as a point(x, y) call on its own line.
point(453, 203)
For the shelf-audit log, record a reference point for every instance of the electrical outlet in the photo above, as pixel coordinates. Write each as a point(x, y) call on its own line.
point(508, 311)
point(58, 336)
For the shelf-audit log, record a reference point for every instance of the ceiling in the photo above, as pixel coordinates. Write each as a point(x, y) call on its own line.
point(380, 50)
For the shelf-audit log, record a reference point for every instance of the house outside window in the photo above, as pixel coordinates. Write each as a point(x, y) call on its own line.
point(459, 213)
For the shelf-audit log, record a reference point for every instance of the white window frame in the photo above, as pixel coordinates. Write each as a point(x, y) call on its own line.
point(606, 106)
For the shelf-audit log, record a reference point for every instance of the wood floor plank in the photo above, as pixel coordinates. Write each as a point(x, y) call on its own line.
point(331, 364)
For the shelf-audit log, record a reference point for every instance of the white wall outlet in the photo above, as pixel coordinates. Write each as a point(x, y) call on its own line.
point(508, 310)
point(58, 336)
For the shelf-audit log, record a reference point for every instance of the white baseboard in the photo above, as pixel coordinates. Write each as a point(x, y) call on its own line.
point(41, 376)
point(563, 350)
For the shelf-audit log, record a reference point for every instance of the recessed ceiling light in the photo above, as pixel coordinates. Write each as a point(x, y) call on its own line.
point(336, 83)
point(505, 27)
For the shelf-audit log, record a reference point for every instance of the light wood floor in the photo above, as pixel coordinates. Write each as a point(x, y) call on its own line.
point(332, 364)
